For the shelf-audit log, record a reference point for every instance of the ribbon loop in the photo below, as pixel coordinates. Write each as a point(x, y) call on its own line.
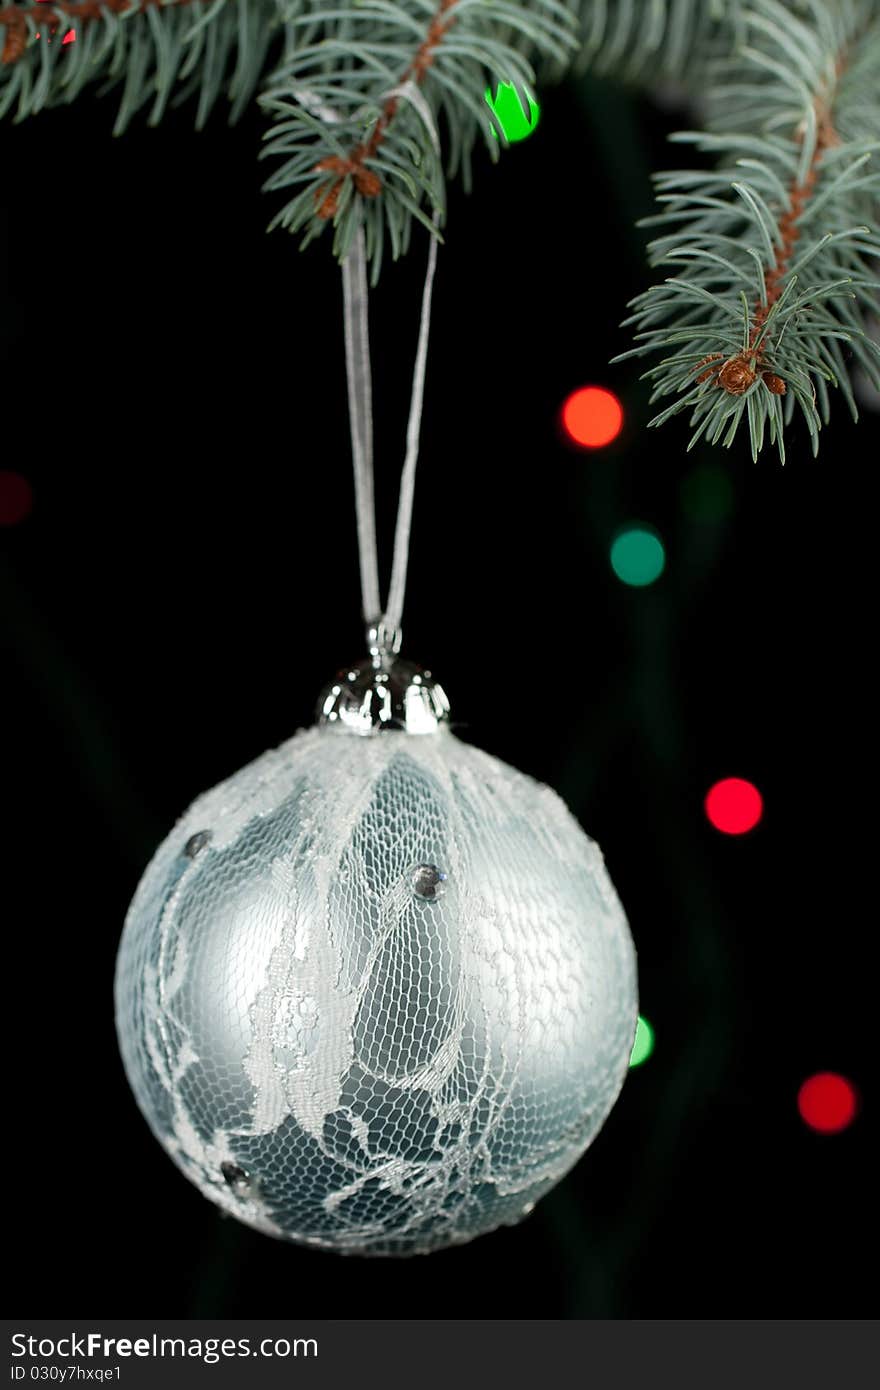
point(360, 409)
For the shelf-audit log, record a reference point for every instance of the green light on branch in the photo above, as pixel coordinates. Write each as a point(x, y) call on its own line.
point(507, 109)
point(644, 1043)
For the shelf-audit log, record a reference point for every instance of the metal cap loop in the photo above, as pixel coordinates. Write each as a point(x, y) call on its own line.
point(384, 693)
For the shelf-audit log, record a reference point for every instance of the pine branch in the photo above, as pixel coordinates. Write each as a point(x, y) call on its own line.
point(776, 248)
point(329, 104)
point(771, 255)
point(648, 40)
point(154, 49)
point(364, 92)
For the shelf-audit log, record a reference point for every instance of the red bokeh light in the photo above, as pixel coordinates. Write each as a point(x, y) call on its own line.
point(16, 498)
point(592, 417)
point(69, 37)
point(827, 1102)
point(734, 805)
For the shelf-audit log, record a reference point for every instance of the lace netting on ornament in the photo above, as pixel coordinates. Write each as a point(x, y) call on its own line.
point(334, 1057)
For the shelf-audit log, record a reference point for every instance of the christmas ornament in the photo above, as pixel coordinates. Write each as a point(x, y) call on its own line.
point(376, 992)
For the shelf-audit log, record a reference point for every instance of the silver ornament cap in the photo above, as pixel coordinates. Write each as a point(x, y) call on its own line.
point(384, 693)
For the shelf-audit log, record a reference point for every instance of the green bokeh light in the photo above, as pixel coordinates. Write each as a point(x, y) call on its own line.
point(707, 493)
point(637, 556)
point(644, 1043)
point(508, 112)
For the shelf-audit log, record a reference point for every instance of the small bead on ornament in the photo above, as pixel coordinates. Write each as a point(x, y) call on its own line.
point(428, 882)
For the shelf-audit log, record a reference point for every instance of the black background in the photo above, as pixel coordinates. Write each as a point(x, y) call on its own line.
point(173, 386)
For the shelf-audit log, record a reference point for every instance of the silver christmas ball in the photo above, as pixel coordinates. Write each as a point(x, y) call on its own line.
point(376, 994)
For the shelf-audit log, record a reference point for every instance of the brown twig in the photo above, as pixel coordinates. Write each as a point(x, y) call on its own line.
point(14, 17)
point(367, 181)
point(738, 373)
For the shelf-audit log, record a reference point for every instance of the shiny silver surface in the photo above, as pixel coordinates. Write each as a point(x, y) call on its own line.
point(428, 882)
point(384, 692)
point(235, 1177)
point(336, 1054)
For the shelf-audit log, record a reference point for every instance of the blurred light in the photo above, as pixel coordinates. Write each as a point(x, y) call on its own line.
point(707, 493)
point(16, 498)
point(827, 1102)
point(592, 416)
point(69, 37)
point(644, 1043)
point(637, 556)
point(866, 391)
point(734, 805)
point(507, 110)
